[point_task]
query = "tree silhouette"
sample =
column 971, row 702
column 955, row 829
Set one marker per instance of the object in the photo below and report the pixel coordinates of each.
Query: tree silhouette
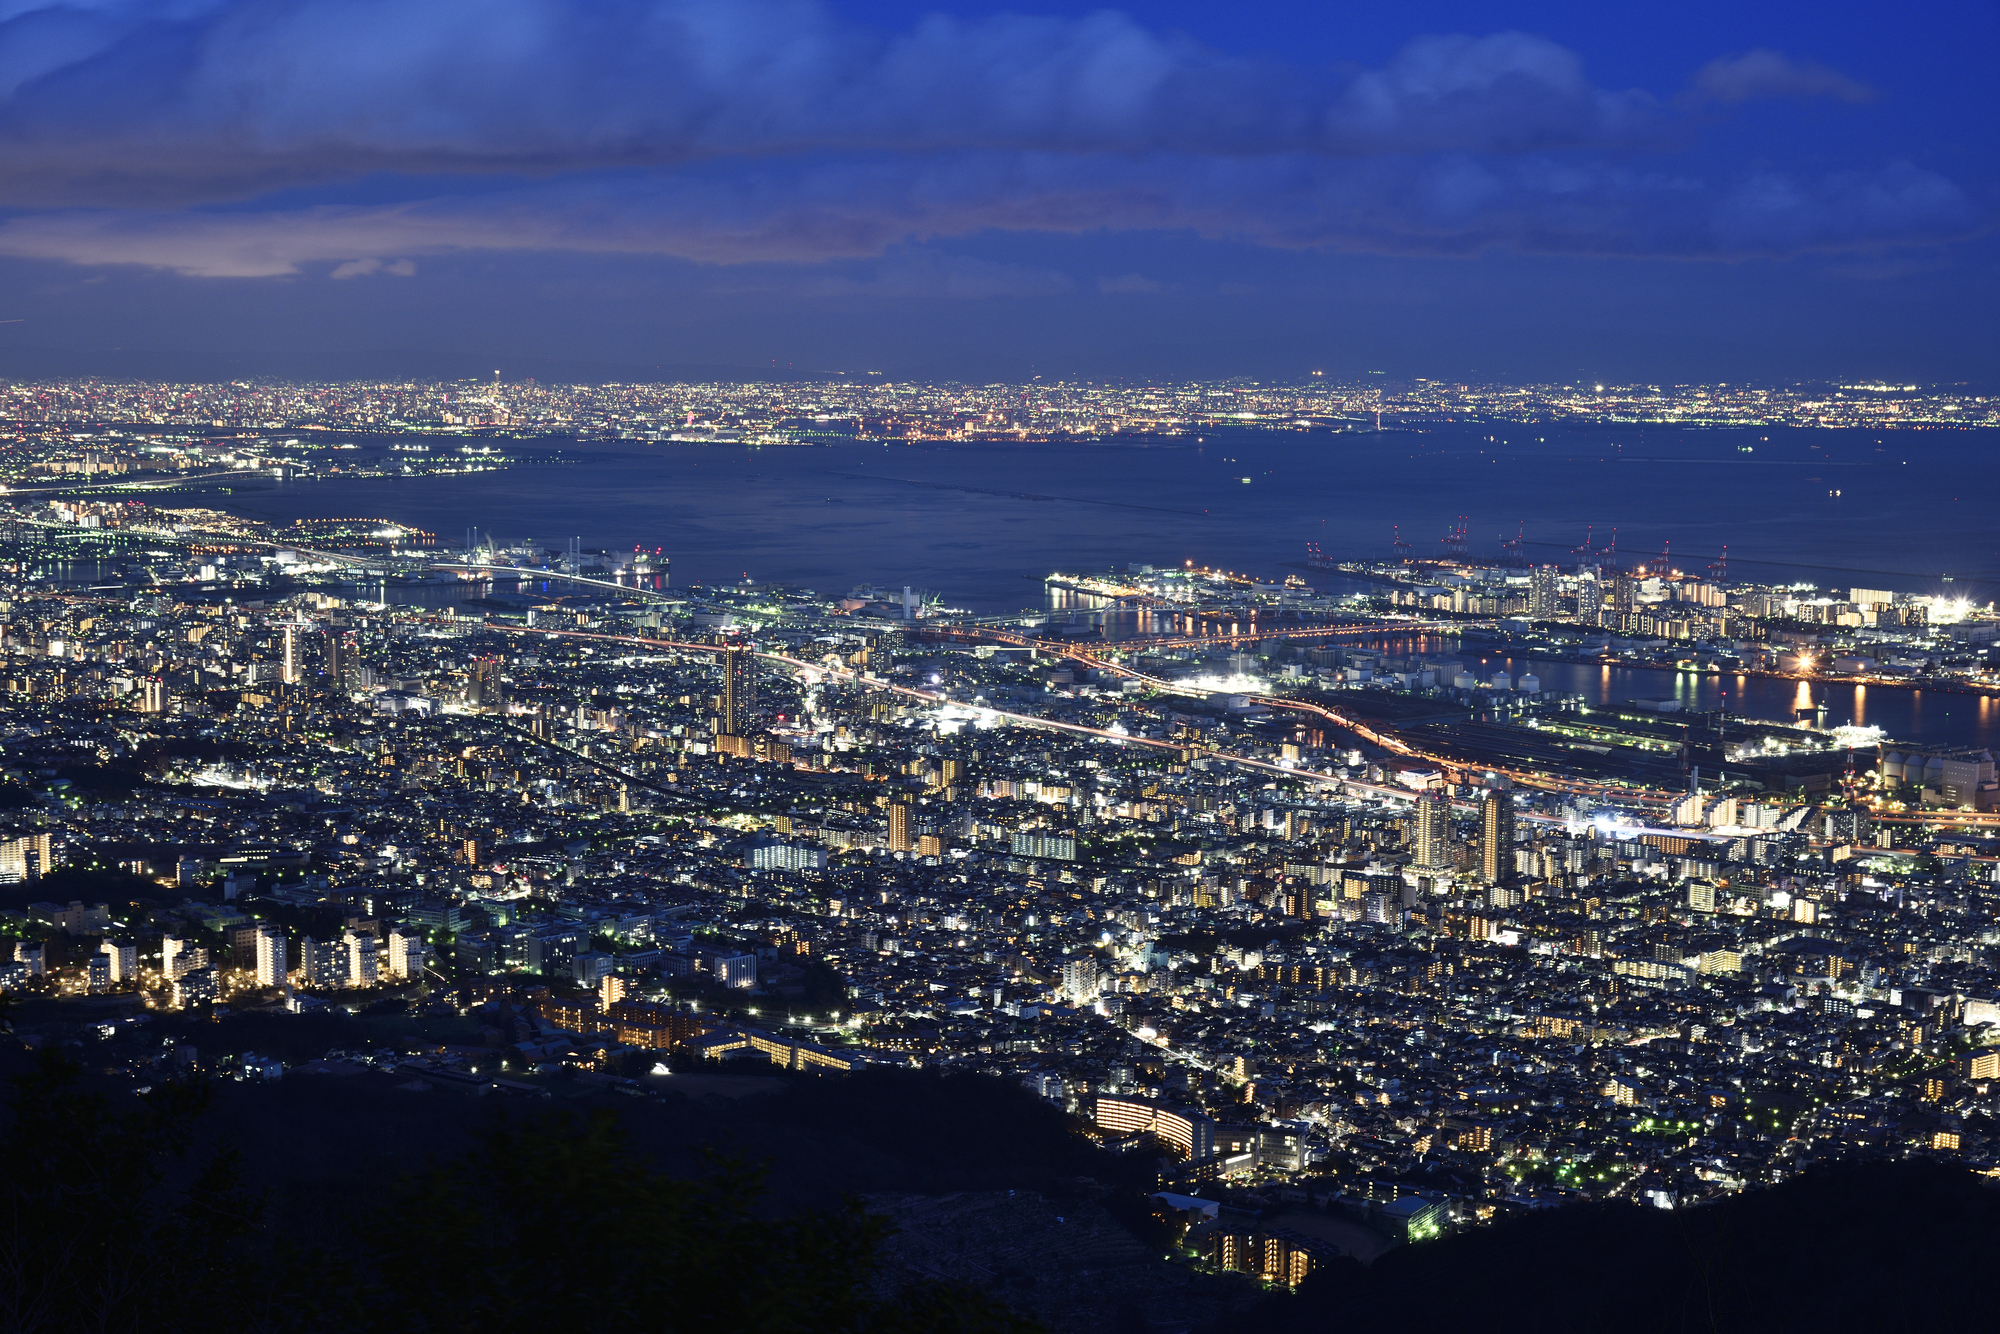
column 93, row 1235
column 555, row 1218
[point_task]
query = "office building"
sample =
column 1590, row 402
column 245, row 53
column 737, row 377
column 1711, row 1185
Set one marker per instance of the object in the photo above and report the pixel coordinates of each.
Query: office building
column 736, row 970
column 552, row 952
column 590, row 968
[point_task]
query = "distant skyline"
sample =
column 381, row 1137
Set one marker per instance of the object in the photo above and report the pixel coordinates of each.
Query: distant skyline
column 335, row 189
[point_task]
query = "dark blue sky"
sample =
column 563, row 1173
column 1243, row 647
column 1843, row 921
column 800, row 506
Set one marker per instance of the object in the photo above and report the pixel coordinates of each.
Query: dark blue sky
column 208, row 188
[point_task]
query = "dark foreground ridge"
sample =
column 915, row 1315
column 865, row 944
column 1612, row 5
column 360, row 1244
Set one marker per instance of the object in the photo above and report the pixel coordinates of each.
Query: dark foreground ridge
column 1886, row 1246
column 886, row 1201
column 325, row 1202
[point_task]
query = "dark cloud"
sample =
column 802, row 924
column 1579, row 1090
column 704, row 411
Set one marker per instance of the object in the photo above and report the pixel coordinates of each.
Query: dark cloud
column 128, row 100
column 792, row 212
column 179, row 134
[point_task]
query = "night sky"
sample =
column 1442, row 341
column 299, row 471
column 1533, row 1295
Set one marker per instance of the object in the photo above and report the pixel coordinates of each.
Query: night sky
column 333, row 188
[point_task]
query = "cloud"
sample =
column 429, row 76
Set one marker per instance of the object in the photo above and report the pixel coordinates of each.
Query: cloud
column 1764, row 73
column 819, row 211
column 210, row 137
column 205, row 100
column 1130, row 284
column 361, row 268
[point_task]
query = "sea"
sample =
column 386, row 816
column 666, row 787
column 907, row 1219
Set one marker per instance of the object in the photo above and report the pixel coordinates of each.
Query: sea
column 979, row 525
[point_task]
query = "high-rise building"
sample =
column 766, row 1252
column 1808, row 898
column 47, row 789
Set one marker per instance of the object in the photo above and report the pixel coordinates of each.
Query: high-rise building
column 362, row 955
column 1081, row 979
column 187, row 958
column 324, row 963
column 1543, row 593
column 271, row 966
column 124, row 959
column 406, row 954
column 24, row 858
column 899, row 827
column 1624, row 593
column 1433, row 842
column 194, row 987
column 483, row 687
column 333, row 660
column 154, row 697
column 739, row 689
column 1496, row 837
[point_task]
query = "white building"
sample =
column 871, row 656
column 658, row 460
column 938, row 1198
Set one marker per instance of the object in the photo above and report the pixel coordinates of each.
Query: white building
column 124, row 960
column 271, row 969
column 787, row 857
column 736, row 970
column 406, row 954
column 363, row 963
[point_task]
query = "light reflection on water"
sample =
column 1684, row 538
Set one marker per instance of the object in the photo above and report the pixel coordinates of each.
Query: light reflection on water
column 1917, row 717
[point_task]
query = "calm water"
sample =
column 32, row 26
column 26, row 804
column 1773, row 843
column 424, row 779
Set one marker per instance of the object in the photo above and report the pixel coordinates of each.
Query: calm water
column 980, row 525
column 1926, row 717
